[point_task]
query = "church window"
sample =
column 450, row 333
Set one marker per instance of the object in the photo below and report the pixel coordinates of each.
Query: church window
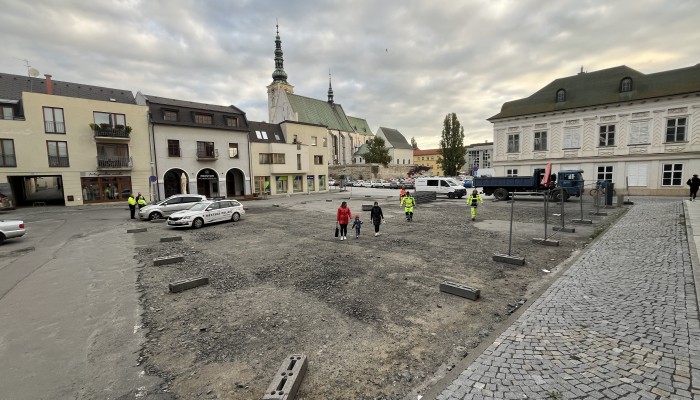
column 561, row 96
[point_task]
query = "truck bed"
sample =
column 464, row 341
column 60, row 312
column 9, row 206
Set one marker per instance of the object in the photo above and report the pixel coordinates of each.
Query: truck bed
column 506, row 182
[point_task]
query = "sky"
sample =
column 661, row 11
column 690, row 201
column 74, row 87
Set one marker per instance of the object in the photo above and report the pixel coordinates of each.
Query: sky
column 402, row 64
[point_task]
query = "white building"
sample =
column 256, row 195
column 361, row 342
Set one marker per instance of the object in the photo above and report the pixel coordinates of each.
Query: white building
column 400, row 150
column 641, row 131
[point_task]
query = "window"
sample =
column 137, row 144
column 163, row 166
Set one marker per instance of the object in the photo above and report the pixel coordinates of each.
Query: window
column 318, row 160
column 513, row 143
column 7, row 112
column 314, row 141
column 53, row 120
column 298, row 162
column 671, row 174
column 511, row 172
column 282, row 184
column 639, row 132
column 109, row 120
column 298, row 184
column 231, row 121
column 626, row 85
column 325, row 142
column 272, row 158
column 170, row 115
column 675, row 130
column 607, row 136
column 637, row 174
column 7, row 153
column 572, row 138
column 206, row 150
column 58, row 153
column 561, row 96
column 173, row 148
column 205, row 119
column 261, row 135
column 605, row 173
column 295, row 139
column 233, row 150
column 113, row 155
column 540, row 141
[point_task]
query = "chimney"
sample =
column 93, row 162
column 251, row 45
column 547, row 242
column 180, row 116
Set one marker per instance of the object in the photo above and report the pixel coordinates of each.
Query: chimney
column 49, row 84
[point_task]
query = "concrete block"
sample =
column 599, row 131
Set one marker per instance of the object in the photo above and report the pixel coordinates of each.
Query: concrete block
column 286, row 382
column 582, row 221
column 563, row 229
column 181, row 286
column 167, row 260
column 158, row 220
column 329, row 200
column 545, row 242
column 171, row 239
column 601, row 213
column 136, row 230
column 504, row 258
column 367, row 207
column 460, row 290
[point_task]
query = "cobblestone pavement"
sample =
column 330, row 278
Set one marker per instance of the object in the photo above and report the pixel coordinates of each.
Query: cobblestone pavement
column 622, row 322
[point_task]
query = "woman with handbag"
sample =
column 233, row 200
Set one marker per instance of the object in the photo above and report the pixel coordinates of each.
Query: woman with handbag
column 343, row 219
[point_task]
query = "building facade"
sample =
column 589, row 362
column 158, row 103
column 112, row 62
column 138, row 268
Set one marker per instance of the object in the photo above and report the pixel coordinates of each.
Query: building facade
column 479, row 155
column 288, row 158
column 71, row 144
column 640, row 131
column 429, row 158
column 198, row 148
column 400, row 150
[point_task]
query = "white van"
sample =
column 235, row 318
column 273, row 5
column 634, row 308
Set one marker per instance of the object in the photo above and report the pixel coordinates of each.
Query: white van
column 441, row 185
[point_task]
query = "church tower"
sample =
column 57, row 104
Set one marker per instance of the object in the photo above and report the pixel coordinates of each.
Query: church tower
column 277, row 103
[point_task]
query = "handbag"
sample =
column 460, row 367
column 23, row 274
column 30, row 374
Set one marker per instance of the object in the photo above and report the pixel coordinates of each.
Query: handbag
column 337, row 230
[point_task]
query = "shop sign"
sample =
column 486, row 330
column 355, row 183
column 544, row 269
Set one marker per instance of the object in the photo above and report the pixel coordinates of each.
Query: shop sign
column 95, row 174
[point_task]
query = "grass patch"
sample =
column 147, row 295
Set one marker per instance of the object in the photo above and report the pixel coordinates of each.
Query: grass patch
column 597, row 233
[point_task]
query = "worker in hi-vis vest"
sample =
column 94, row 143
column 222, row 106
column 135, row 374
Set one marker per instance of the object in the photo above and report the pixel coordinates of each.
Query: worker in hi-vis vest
column 473, row 201
column 132, row 205
column 408, row 203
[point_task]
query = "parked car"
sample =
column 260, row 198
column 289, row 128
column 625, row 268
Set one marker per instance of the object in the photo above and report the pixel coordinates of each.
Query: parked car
column 386, row 184
column 11, row 228
column 207, row 212
column 408, row 184
column 170, row 205
column 368, row 183
column 395, row 184
column 332, row 182
column 378, row 183
column 359, row 183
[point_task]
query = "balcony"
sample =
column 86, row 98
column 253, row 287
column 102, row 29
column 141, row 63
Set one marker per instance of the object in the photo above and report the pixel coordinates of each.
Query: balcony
column 105, row 131
column 113, row 163
column 208, row 155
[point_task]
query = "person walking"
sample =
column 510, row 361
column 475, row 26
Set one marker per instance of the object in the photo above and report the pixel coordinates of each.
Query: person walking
column 132, row 205
column 402, row 192
column 377, row 217
column 343, row 219
column 694, row 184
column 409, row 203
column 473, row 201
column 356, row 224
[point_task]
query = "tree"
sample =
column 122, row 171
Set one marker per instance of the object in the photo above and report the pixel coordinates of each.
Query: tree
column 414, row 144
column 452, row 145
column 377, row 153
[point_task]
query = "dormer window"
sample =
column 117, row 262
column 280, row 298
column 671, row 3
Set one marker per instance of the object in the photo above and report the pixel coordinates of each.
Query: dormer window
column 170, row 115
column 561, row 96
column 626, row 85
column 205, row 119
column 231, row 121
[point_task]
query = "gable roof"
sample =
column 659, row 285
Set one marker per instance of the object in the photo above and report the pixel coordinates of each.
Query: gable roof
column 12, row 86
column 427, row 152
column 360, row 126
column 188, row 109
column 362, row 150
column 603, row 87
column 395, row 138
column 320, row 112
column 273, row 132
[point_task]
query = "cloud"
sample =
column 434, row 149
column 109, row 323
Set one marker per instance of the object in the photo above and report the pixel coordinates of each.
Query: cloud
column 399, row 64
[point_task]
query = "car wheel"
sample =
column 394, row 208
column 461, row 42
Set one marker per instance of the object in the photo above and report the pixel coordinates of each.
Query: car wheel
column 500, row 194
column 235, row 217
column 450, row 195
column 154, row 215
column 2, row 238
column 198, row 223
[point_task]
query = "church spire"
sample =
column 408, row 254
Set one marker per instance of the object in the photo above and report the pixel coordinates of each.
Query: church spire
column 279, row 75
column 330, row 88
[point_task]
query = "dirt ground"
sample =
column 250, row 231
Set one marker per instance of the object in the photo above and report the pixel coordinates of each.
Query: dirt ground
column 366, row 312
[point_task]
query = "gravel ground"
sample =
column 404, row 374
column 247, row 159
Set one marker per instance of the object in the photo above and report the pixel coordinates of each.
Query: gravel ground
column 367, row 312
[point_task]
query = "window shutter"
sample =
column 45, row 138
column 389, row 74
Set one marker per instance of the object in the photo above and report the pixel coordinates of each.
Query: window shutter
column 637, row 174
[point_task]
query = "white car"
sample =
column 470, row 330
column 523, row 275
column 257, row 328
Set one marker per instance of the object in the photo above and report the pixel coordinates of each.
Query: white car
column 170, row 205
column 358, row 183
column 11, row 229
column 207, row 212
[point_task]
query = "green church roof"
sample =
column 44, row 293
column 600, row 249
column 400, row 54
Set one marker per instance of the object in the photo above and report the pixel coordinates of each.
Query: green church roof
column 603, row 87
column 360, row 126
column 320, row 112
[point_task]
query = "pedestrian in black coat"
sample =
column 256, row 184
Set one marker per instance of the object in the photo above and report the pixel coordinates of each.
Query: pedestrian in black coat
column 377, row 217
column 694, row 184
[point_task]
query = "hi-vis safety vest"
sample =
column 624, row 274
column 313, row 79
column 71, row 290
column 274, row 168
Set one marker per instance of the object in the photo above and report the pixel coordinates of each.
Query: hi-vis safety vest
column 408, row 202
column 474, row 200
column 131, row 200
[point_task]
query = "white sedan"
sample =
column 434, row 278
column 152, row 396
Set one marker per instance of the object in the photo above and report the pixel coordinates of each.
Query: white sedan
column 11, row 229
column 207, row 212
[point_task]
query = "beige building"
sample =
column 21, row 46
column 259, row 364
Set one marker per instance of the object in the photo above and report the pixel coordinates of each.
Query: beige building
column 429, row 158
column 640, row 131
column 288, row 158
column 71, row 144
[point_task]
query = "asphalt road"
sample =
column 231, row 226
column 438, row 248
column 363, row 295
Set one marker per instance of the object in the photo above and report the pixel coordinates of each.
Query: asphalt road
column 69, row 312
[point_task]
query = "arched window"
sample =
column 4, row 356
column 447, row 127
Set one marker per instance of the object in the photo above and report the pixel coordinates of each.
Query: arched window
column 626, row 85
column 561, row 96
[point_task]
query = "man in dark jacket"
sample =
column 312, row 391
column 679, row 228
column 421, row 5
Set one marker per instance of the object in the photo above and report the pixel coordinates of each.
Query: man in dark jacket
column 377, row 217
column 694, row 184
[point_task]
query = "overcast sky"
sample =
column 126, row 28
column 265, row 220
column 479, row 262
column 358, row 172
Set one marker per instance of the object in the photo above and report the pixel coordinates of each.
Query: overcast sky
column 401, row 64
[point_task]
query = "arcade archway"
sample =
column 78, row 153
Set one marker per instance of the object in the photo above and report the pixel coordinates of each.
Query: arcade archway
column 235, row 183
column 175, row 181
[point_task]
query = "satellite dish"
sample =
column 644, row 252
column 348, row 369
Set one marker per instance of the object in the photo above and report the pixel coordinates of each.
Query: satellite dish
column 33, row 72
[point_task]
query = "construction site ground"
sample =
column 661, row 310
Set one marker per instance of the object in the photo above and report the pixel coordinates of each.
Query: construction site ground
column 367, row 312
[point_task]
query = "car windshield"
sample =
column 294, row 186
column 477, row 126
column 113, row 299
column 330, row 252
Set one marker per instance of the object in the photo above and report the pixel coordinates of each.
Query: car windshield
column 452, row 182
column 199, row 207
